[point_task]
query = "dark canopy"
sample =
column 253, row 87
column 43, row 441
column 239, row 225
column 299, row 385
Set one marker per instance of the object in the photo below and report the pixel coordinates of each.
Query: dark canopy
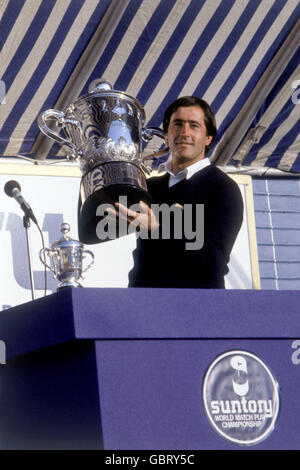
column 242, row 56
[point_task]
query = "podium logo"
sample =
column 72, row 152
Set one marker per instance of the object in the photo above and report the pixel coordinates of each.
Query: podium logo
column 241, row 397
column 238, row 363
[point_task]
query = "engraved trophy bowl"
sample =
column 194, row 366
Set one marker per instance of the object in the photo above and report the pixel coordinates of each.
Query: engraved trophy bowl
column 104, row 130
column 67, row 257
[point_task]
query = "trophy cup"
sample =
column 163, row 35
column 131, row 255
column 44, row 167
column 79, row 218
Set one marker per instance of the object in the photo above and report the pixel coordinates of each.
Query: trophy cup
column 67, row 257
column 104, row 130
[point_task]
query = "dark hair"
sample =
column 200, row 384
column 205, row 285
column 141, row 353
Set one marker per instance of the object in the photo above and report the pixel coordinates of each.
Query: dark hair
column 185, row 101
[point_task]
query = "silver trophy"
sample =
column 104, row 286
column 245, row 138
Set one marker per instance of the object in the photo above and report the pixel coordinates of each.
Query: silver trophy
column 104, row 130
column 67, row 258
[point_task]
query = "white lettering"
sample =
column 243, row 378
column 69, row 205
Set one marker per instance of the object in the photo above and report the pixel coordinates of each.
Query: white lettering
column 171, row 459
column 198, row 234
column 241, row 424
column 110, row 223
column 165, row 210
column 116, row 460
column 122, row 221
column 215, row 409
column 295, row 356
column 252, row 406
column 268, row 408
column 2, row 352
column 106, row 227
column 243, row 405
column 236, row 406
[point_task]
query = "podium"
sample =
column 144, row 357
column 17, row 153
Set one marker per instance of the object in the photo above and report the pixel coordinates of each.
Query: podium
column 124, row 368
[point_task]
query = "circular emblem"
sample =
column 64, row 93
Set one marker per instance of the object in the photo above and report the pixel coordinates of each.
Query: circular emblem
column 241, row 397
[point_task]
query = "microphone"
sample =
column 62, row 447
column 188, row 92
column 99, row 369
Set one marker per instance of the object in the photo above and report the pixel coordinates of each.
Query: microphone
column 13, row 189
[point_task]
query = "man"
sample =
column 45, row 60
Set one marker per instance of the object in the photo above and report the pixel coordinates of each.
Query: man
column 190, row 180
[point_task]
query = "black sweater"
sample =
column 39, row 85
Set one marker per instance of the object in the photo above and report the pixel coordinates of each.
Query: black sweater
column 168, row 262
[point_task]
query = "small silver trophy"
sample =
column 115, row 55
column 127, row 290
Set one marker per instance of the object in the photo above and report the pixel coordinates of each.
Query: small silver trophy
column 67, row 257
column 104, row 130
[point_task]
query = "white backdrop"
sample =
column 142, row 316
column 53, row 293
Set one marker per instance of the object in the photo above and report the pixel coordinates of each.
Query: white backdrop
column 54, row 200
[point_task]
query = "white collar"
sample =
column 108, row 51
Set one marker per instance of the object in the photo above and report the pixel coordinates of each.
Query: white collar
column 186, row 173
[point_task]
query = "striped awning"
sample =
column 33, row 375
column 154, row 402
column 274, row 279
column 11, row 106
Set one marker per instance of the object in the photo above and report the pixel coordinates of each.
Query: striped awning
column 242, row 56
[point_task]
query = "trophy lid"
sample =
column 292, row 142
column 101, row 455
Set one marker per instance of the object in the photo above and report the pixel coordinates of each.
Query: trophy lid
column 102, row 88
column 66, row 240
column 100, row 84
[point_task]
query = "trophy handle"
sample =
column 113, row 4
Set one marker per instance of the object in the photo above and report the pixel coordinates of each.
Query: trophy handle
column 47, row 251
column 88, row 252
column 60, row 118
column 147, row 134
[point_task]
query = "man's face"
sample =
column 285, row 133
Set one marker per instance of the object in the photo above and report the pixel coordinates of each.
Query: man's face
column 187, row 136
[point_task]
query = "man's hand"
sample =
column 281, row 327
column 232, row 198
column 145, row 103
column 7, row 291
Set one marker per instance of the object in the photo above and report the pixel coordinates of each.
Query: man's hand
column 143, row 218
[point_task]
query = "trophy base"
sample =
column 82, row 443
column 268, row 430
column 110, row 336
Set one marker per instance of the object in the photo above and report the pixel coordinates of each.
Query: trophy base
column 67, row 284
column 111, row 182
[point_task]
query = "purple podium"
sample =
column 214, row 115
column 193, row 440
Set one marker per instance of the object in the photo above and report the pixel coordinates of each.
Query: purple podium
column 125, row 368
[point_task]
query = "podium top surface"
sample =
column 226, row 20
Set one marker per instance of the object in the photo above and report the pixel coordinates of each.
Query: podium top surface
column 146, row 313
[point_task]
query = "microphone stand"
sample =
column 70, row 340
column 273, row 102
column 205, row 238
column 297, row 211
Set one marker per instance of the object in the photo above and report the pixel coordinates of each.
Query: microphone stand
column 26, row 224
